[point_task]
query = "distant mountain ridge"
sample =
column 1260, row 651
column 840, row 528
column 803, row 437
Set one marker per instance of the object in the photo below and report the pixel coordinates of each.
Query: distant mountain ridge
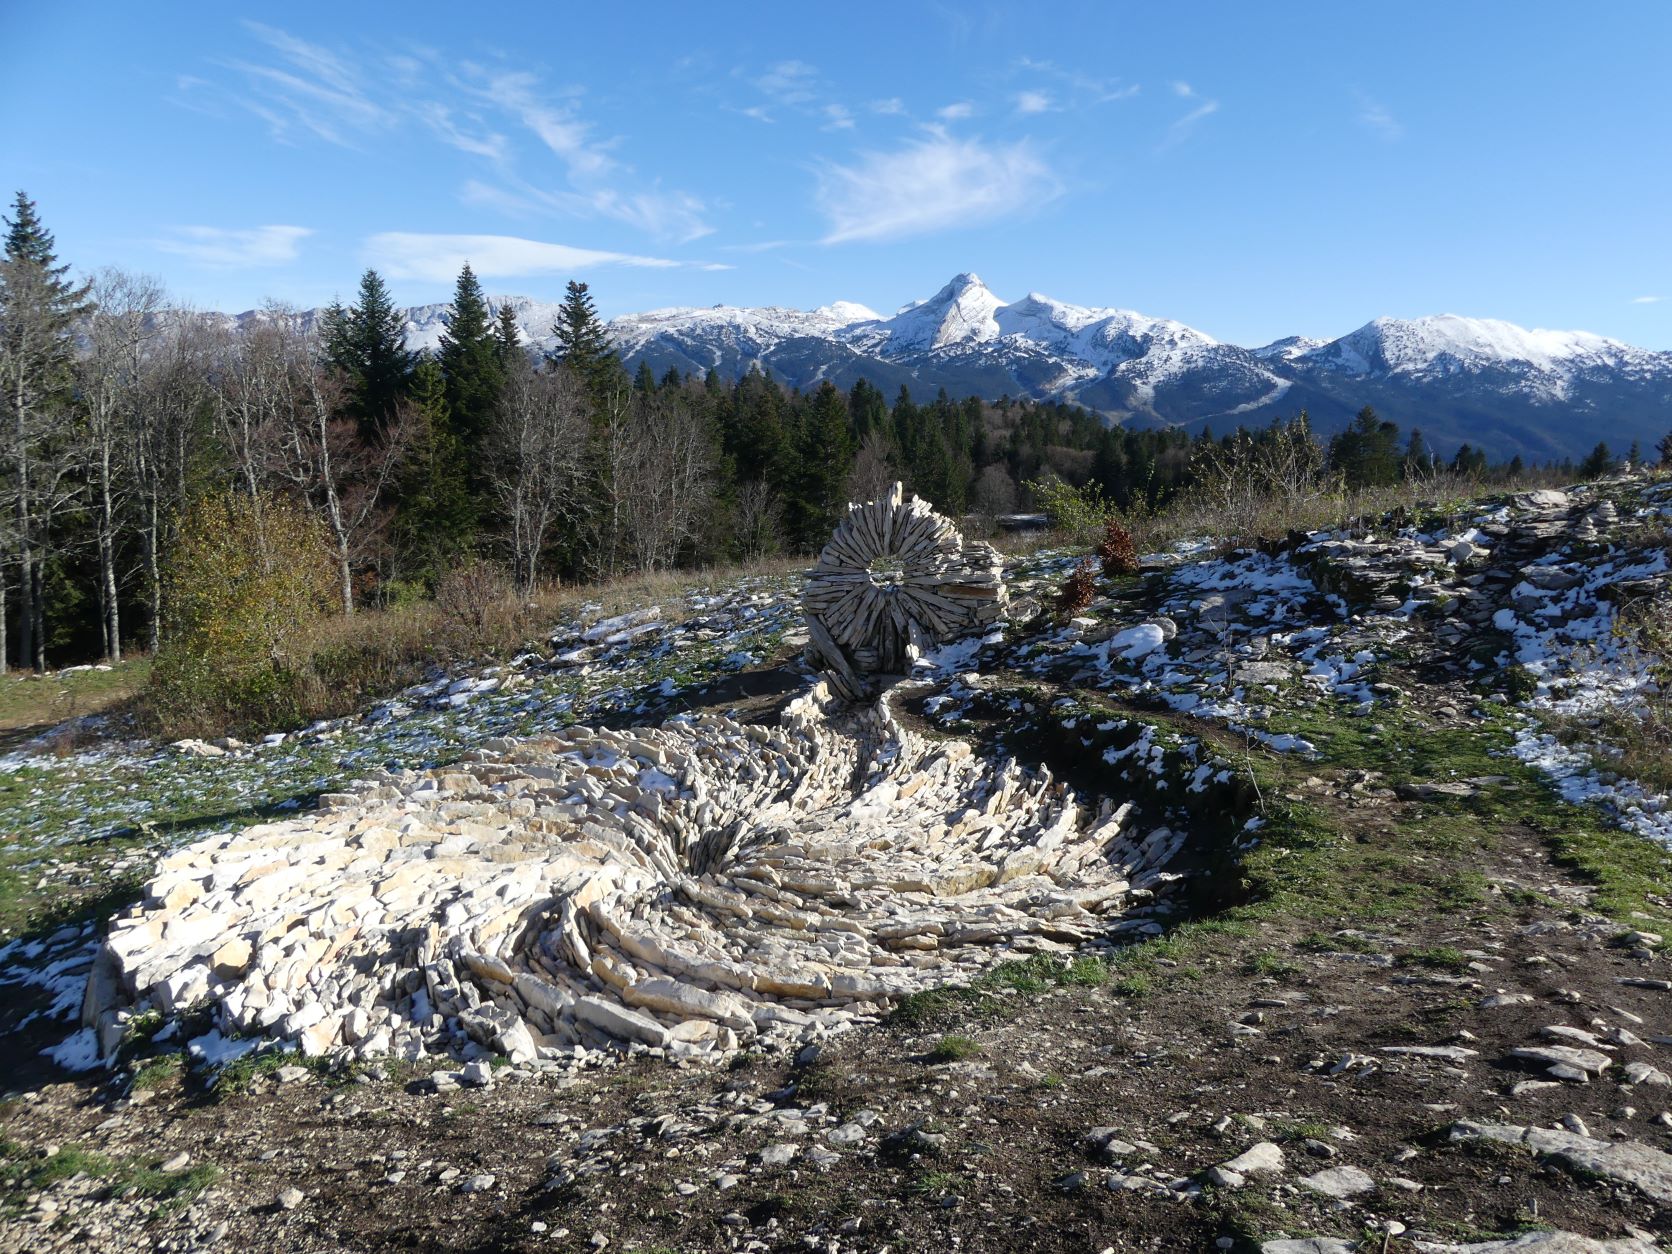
column 1542, row 394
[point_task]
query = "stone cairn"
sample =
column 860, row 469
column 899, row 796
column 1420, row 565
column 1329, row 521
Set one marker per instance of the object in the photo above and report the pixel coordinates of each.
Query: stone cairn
column 895, row 580
column 691, row 888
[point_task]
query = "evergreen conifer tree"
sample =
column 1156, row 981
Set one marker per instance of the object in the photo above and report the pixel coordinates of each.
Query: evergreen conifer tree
column 39, row 308
column 436, row 519
column 470, row 364
column 817, row 478
column 1599, row 463
column 367, row 341
column 582, row 342
column 507, row 336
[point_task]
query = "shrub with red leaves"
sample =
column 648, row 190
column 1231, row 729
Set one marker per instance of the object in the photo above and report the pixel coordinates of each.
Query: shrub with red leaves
column 1118, row 553
column 1077, row 590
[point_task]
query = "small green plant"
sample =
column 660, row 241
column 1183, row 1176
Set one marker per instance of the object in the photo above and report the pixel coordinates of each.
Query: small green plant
column 953, row 1049
column 1270, row 964
column 157, row 1071
column 1520, row 684
column 931, row 1182
column 1077, row 512
column 1439, row 957
column 1132, row 984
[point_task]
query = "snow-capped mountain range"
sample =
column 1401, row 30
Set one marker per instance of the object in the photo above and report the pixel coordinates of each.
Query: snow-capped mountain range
column 1492, row 384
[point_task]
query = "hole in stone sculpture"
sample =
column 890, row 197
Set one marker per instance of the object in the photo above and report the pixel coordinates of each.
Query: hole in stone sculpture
column 888, row 570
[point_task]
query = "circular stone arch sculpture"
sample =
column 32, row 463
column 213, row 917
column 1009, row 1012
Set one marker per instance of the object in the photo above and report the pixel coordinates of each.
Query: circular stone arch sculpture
column 895, row 579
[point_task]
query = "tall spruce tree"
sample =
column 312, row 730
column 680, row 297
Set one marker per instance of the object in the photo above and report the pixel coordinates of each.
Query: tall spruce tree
column 39, row 308
column 582, row 343
column 507, row 336
column 470, row 364
column 1599, row 463
column 367, row 342
column 816, row 479
column 435, row 522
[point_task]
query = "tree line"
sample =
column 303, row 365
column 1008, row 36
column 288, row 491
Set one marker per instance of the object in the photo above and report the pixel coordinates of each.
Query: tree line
column 121, row 410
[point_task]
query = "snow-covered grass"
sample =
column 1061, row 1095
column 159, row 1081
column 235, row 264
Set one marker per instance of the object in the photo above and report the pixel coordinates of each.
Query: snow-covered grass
column 78, row 822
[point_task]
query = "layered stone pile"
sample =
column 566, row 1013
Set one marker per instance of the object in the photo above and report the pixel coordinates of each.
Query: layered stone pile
column 895, row 580
column 691, row 887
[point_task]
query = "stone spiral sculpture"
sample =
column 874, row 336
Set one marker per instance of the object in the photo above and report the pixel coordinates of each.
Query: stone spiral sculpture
column 690, row 888
column 895, row 579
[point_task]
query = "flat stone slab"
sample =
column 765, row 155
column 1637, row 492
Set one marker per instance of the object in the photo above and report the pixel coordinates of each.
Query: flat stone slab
column 1644, row 1168
column 1341, row 1183
column 1543, row 1243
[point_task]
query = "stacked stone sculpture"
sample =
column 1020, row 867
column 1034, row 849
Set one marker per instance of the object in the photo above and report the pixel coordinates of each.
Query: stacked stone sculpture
column 895, row 579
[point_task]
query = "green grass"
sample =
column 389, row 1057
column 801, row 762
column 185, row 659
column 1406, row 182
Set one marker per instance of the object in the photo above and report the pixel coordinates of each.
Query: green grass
column 954, row 1049
column 1318, row 871
column 982, row 996
column 31, row 702
column 241, row 1074
column 1338, row 943
column 1132, row 985
column 932, row 1182
column 1439, row 957
column 1269, row 964
column 22, row 1173
column 157, row 1071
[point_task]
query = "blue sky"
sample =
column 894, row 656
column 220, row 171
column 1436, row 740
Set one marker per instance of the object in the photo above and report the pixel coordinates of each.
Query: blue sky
column 1252, row 170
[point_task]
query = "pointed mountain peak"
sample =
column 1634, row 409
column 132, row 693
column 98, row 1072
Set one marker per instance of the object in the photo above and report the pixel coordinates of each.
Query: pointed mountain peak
column 961, row 312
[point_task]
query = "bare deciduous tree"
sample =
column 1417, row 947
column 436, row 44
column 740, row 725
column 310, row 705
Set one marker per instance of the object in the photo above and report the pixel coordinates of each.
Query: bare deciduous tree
column 667, row 473
column 160, row 442
column 539, row 471
column 758, row 520
column 874, row 471
column 339, row 470
column 113, row 392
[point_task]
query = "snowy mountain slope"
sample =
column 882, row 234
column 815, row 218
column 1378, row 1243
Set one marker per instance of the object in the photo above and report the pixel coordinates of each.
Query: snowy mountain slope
column 1493, row 384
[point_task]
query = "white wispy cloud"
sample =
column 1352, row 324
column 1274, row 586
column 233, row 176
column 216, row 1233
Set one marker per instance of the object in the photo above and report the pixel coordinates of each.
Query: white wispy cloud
column 955, row 112
column 1181, row 128
column 1033, row 102
column 507, row 119
column 790, row 82
column 837, row 118
column 232, row 248
column 438, row 258
column 1076, row 88
column 1646, row 300
column 930, row 185
column 567, row 136
column 891, row 107
column 1375, row 117
column 309, row 89
column 467, row 135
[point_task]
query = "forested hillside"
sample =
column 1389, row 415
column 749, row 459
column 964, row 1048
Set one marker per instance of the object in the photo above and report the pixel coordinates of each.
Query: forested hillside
column 124, row 414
